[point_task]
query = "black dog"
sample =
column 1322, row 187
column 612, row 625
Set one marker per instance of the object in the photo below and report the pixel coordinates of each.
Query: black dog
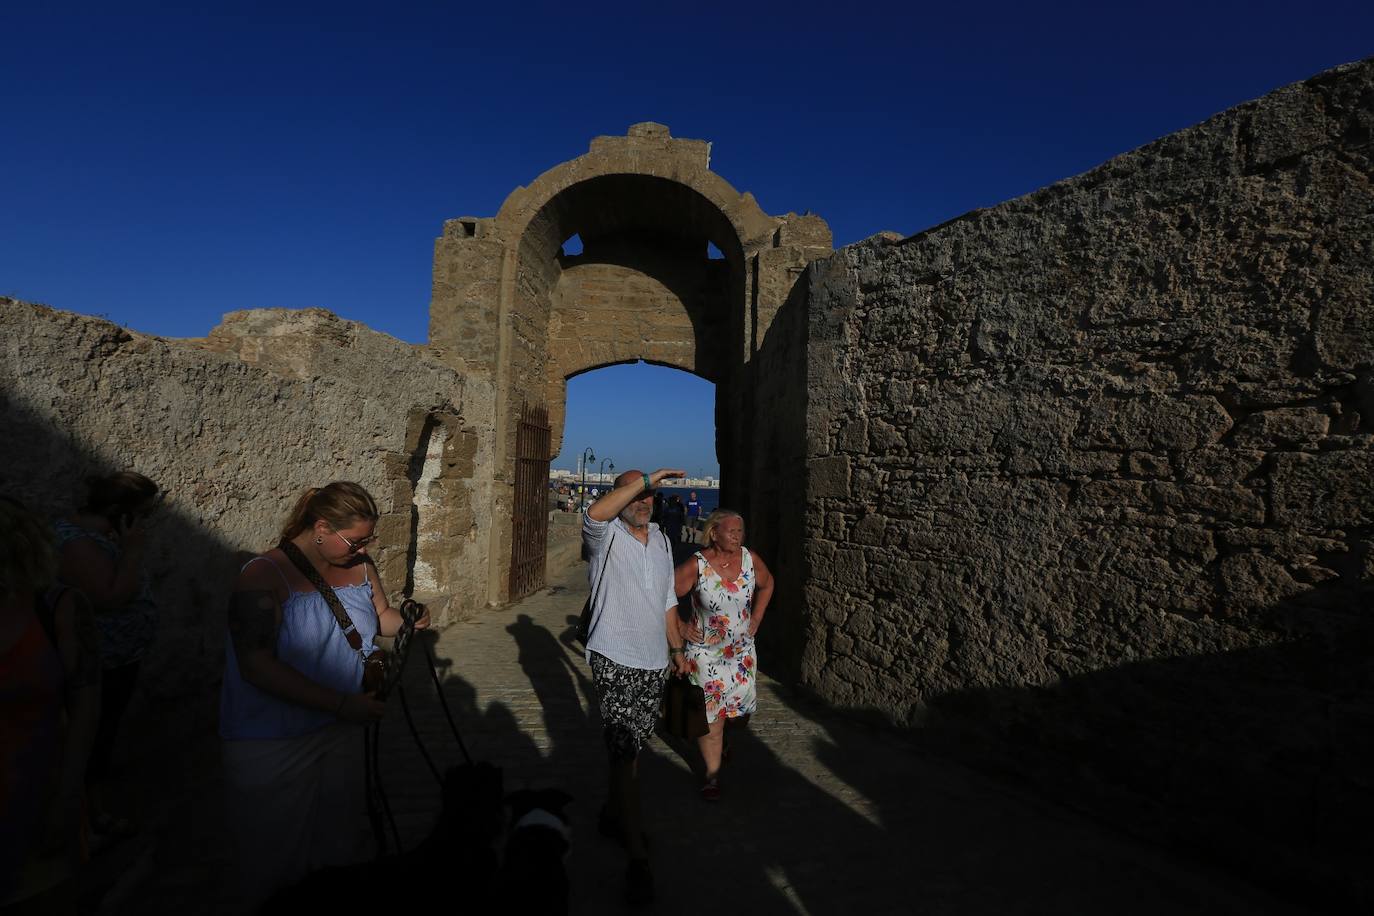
column 532, row 877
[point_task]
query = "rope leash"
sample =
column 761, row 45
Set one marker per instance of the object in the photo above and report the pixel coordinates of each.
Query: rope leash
column 378, row 805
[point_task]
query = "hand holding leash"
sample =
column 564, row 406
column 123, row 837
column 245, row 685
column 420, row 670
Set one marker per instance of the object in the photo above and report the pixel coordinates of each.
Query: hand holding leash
column 362, row 708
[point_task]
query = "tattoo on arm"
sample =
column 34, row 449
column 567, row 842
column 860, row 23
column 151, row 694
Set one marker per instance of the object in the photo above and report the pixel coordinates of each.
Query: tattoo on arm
column 253, row 621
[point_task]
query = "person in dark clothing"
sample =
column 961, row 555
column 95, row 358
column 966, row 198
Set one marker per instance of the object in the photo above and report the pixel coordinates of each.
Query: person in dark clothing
column 674, row 513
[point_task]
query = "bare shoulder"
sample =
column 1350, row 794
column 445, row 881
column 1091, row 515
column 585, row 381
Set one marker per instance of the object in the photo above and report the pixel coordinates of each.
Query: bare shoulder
column 262, row 574
column 761, row 570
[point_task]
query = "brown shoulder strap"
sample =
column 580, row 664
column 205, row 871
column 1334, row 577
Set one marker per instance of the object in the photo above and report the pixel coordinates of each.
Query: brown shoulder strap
column 298, row 560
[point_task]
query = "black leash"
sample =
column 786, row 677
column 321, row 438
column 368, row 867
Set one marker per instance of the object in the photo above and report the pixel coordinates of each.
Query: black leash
column 377, row 803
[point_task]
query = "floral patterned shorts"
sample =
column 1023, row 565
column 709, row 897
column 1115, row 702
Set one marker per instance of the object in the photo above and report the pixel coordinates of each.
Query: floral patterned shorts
column 629, row 699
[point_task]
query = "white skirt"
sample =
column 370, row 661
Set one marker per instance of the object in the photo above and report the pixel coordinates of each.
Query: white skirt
column 293, row 805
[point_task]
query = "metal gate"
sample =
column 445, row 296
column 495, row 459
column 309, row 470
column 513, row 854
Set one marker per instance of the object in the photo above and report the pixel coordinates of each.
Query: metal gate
column 530, row 513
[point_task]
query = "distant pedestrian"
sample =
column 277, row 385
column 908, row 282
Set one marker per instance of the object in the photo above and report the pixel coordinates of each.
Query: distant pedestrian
column 693, row 510
column 628, row 648
column 674, row 513
column 730, row 588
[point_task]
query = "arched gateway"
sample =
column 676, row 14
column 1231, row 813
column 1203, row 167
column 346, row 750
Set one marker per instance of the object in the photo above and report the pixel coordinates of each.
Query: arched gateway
column 519, row 315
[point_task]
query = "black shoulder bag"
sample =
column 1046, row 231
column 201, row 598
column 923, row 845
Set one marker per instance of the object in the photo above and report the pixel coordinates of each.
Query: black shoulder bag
column 375, row 665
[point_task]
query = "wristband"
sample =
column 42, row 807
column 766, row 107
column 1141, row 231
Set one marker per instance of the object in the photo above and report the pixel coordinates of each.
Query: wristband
column 647, row 485
column 672, row 651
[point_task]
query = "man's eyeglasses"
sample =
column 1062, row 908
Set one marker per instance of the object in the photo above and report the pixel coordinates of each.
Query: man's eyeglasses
column 355, row 546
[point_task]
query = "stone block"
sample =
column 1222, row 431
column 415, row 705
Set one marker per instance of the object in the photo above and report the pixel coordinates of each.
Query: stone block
column 1153, row 423
column 869, row 530
column 1233, row 503
column 1254, row 581
column 1283, row 427
column 828, row 477
column 1323, row 491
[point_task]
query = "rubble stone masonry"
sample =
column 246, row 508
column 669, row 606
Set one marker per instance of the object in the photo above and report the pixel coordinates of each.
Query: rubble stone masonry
column 1091, row 484
column 234, row 427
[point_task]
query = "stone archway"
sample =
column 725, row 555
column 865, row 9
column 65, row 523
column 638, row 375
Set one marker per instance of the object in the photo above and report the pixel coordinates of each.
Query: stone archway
column 519, row 315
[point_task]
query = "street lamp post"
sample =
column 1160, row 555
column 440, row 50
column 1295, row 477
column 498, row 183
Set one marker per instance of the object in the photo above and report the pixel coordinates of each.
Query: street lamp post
column 587, row 456
column 601, row 475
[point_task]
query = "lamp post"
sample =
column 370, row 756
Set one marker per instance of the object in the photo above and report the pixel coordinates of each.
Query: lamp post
column 601, row 475
column 587, row 456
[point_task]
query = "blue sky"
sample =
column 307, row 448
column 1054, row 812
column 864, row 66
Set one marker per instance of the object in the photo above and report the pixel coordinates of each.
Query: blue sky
column 161, row 165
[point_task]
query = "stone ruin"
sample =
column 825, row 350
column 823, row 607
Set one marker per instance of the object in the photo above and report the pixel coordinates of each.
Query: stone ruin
column 1077, row 487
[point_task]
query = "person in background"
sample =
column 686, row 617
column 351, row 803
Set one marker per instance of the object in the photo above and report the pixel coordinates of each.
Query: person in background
column 631, row 571
column 693, row 511
column 50, row 697
column 292, row 702
column 730, row 588
column 673, row 516
column 101, row 550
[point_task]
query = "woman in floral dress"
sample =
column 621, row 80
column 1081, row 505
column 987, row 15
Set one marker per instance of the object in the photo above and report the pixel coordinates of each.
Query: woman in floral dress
column 730, row 588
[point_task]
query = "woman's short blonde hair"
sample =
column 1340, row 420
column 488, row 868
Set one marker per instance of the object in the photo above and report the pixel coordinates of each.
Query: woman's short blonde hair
column 28, row 551
column 714, row 519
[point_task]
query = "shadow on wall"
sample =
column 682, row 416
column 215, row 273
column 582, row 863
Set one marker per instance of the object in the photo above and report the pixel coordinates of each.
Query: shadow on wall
column 773, row 500
column 184, row 560
column 1261, row 760
column 167, row 754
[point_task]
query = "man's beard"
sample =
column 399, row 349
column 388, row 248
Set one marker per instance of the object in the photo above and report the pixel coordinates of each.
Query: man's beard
column 635, row 516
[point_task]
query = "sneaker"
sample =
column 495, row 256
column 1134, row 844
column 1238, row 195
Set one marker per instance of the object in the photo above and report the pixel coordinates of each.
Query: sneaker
column 711, row 789
column 639, row 883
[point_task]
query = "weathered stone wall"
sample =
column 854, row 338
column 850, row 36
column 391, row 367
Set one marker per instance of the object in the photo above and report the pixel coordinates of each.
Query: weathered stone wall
column 625, row 306
column 234, row 427
column 1091, row 482
column 511, row 307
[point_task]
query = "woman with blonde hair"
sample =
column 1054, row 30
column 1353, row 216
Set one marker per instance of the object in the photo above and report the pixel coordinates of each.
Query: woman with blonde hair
column 730, row 588
column 50, row 694
column 292, row 702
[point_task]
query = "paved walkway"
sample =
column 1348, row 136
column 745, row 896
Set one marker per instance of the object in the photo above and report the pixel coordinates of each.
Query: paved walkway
column 818, row 816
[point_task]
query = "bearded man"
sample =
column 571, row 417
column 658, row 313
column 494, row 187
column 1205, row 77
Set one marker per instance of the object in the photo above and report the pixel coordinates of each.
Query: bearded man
column 631, row 579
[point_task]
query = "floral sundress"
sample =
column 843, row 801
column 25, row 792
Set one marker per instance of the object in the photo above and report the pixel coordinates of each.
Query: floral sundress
column 724, row 665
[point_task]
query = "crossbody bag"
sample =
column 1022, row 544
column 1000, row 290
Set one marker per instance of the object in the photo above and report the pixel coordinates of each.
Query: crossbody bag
column 374, row 665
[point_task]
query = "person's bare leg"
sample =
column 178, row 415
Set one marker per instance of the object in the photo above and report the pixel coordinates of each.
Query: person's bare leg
column 710, row 745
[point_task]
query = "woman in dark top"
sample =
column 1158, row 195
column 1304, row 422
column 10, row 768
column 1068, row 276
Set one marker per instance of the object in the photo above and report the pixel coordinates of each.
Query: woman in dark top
column 101, row 549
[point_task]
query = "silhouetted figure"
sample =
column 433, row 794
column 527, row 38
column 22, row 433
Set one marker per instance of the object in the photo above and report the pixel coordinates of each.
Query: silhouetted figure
column 50, row 698
column 101, row 551
column 730, row 588
column 674, row 513
column 292, row 702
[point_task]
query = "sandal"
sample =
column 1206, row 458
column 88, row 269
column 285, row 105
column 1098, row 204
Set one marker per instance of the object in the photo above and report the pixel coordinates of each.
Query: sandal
column 711, row 789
